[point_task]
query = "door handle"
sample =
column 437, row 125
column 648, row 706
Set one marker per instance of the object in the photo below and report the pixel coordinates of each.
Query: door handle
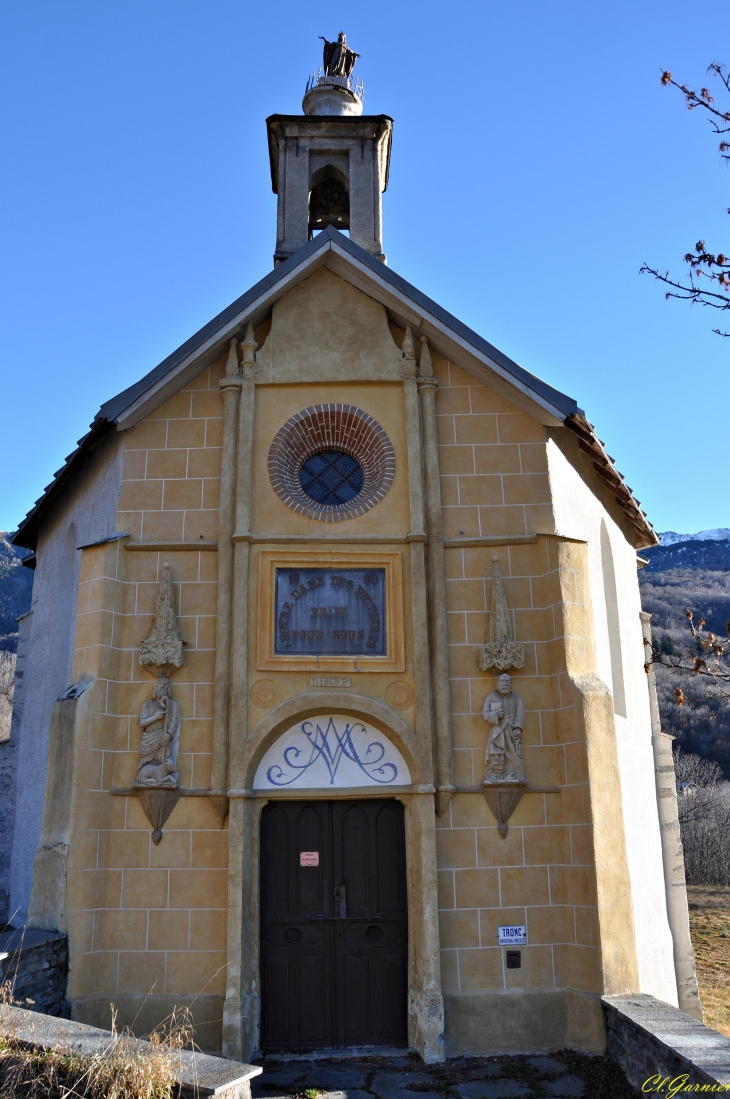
column 341, row 900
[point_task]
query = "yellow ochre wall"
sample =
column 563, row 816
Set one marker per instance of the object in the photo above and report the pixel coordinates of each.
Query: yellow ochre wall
column 495, row 482
column 152, row 920
column 144, row 919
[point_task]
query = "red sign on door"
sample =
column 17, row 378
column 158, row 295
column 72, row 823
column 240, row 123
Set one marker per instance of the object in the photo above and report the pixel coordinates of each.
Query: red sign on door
column 309, row 858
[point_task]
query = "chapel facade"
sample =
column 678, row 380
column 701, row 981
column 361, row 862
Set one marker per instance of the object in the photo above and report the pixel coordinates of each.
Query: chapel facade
column 333, row 722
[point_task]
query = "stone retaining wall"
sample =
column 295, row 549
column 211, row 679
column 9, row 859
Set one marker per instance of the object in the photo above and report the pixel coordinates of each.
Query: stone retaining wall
column 196, row 1074
column 36, row 964
column 649, row 1038
column 8, row 768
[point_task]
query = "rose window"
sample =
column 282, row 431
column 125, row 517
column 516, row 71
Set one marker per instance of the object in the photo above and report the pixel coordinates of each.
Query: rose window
column 331, row 462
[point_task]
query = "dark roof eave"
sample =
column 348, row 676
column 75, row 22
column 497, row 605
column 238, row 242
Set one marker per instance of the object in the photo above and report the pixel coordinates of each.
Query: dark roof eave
column 605, row 468
column 115, row 406
column 27, row 533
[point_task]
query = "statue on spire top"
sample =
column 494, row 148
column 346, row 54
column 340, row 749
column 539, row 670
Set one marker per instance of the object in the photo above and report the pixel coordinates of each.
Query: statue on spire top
column 338, row 59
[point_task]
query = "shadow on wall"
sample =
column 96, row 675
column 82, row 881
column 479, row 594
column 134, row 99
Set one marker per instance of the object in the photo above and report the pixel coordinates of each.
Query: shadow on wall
column 64, row 620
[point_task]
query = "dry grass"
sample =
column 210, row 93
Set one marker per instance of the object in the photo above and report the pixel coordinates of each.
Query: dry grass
column 709, row 920
column 121, row 1070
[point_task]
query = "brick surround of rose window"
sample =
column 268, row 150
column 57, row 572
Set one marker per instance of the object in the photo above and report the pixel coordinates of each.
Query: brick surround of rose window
column 331, row 427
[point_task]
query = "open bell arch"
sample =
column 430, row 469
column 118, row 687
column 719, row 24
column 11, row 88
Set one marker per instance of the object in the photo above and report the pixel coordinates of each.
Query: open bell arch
column 329, row 198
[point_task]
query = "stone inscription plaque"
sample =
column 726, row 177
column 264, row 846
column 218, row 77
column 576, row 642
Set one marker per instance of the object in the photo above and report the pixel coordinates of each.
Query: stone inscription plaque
column 330, row 612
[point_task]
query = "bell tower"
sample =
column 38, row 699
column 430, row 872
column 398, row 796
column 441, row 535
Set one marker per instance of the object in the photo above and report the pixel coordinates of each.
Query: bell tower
column 330, row 165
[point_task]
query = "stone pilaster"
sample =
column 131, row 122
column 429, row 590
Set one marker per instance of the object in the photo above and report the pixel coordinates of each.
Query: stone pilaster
column 417, row 539
column 242, row 551
column 425, row 999
column 435, row 576
column 238, row 1033
column 68, row 734
column 230, row 385
column 242, row 1008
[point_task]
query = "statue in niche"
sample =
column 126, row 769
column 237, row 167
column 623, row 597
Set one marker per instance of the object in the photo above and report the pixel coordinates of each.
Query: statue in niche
column 160, row 724
column 505, row 712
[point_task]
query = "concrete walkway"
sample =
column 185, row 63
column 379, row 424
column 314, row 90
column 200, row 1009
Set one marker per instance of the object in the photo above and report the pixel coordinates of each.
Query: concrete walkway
column 565, row 1075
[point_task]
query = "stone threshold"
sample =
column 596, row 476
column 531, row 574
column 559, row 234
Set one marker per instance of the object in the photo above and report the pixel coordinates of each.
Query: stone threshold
column 341, row 1053
column 196, row 1074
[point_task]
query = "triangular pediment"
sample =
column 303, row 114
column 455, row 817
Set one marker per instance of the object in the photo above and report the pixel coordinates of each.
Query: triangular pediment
column 404, row 304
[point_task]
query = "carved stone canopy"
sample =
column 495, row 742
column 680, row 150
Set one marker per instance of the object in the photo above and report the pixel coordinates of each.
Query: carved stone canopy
column 500, row 650
column 162, row 652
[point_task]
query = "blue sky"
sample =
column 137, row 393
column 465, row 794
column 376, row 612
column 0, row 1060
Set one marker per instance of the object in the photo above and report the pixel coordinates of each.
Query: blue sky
column 537, row 162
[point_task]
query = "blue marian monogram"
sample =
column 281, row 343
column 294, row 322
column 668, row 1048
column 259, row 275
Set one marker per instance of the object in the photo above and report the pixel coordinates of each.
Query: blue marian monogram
column 332, row 746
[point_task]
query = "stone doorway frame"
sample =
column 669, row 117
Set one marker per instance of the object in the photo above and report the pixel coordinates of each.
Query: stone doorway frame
column 242, row 1010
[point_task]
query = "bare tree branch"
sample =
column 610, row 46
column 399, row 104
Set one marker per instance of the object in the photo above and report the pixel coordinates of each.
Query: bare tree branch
column 703, row 264
column 712, row 662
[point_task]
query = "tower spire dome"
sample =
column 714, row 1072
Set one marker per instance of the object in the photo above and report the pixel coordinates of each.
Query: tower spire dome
column 330, row 166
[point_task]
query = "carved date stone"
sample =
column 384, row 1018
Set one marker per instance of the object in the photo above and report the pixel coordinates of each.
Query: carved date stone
column 500, row 650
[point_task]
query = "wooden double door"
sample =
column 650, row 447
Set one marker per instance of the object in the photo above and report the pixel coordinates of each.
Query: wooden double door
column 333, row 924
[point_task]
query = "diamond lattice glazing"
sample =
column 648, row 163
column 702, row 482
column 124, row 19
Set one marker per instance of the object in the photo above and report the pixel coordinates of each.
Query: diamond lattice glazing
column 354, row 465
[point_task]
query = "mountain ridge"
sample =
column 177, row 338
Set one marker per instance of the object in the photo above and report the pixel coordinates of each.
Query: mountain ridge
column 669, row 537
column 712, row 554
column 694, row 575
column 16, row 589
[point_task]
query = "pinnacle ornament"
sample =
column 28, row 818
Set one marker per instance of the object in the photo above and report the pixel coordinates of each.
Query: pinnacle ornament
column 162, row 651
column 500, row 650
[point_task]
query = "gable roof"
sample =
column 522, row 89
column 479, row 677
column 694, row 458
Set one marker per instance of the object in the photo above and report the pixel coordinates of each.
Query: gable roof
column 405, row 304
column 332, row 249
